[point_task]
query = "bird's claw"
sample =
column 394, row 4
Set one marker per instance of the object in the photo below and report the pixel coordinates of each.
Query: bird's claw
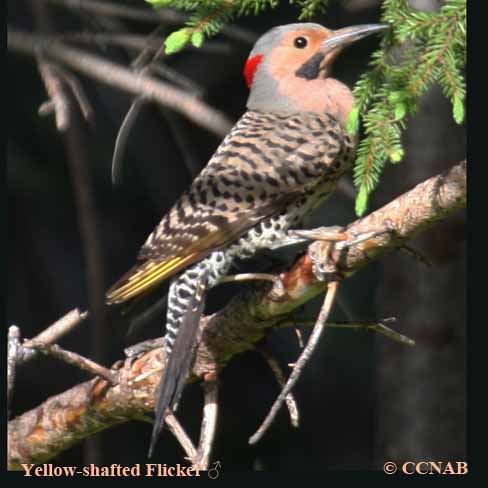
column 334, row 233
column 324, row 265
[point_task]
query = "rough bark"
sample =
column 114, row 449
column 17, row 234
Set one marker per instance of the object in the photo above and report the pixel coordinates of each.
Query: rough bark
column 63, row 420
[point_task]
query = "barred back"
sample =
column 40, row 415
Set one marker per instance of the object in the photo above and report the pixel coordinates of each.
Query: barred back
column 265, row 163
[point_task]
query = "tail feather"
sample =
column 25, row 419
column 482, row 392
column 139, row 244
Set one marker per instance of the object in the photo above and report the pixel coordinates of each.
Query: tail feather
column 179, row 362
column 144, row 277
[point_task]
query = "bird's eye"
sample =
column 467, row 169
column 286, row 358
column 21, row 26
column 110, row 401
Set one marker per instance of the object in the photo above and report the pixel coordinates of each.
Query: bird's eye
column 300, row 42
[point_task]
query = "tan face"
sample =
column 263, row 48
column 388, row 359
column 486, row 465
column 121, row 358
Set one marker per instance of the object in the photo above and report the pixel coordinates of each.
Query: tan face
column 321, row 94
column 296, row 48
column 288, row 71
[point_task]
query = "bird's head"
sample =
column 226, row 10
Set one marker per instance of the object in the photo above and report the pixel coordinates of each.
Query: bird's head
column 289, row 66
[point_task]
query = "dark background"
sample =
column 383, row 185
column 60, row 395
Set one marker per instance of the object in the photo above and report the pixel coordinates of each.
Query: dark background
column 363, row 399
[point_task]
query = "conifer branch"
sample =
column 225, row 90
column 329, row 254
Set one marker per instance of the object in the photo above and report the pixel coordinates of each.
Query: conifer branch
column 421, row 49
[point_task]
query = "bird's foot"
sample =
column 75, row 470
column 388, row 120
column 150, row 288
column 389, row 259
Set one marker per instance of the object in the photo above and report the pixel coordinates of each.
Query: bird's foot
column 334, row 233
column 275, row 279
column 325, row 264
column 292, row 237
column 287, row 240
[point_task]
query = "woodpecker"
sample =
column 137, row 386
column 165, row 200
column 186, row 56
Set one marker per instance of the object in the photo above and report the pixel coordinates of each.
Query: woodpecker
column 282, row 158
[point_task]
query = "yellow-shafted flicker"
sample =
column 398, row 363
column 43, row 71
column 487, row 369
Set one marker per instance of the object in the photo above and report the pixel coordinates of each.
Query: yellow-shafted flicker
column 281, row 159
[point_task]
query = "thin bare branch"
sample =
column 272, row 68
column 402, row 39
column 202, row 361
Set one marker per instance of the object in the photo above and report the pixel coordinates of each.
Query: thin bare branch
column 179, row 79
column 63, row 420
column 181, row 436
column 123, row 136
column 13, row 345
column 209, row 424
column 379, row 327
column 302, row 361
column 134, row 42
column 148, row 15
column 145, row 51
column 74, row 359
column 120, row 77
column 59, row 100
column 77, row 91
column 112, row 9
column 280, row 378
column 178, row 431
column 54, row 332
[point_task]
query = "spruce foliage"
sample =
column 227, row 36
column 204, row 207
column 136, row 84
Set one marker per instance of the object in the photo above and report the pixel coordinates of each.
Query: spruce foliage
column 420, row 49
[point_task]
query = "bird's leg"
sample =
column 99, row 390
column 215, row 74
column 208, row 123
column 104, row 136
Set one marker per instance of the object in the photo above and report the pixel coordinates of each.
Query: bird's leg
column 324, row 266
column 324, row 269
column 186, row 302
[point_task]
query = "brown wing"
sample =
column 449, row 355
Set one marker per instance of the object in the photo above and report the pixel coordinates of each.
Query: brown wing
column 158, row 268
column 265, row 163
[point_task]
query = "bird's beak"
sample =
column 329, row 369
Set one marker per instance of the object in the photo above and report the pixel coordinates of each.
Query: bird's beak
column 343, row 37
column 320, row 62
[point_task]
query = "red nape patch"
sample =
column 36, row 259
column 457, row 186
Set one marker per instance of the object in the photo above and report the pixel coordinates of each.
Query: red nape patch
column 250, row 68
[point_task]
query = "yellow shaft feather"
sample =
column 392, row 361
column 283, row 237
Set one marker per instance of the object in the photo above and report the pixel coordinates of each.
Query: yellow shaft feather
column 146, row 277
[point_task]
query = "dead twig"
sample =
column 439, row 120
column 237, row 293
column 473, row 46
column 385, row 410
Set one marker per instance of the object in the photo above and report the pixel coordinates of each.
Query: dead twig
column 76, row 90
column 59, row 102
column 379, row 327
column 209, row 422
column 148, row 14
column 13, row 346
column 74, row 359
column 280, row 378
column 53, row 333
column 134, row 42
column 178, row 79
column 174, row 426
column 181, row 436
column 120, row 77
column 63, row 420
column 123, row 136
column 302, row 361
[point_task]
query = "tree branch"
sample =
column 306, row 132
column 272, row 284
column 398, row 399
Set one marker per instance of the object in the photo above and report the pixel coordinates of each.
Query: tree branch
column 148, row 14
column 133, row 41
column 74, row 359
column 118, row 76
column 64, row 420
